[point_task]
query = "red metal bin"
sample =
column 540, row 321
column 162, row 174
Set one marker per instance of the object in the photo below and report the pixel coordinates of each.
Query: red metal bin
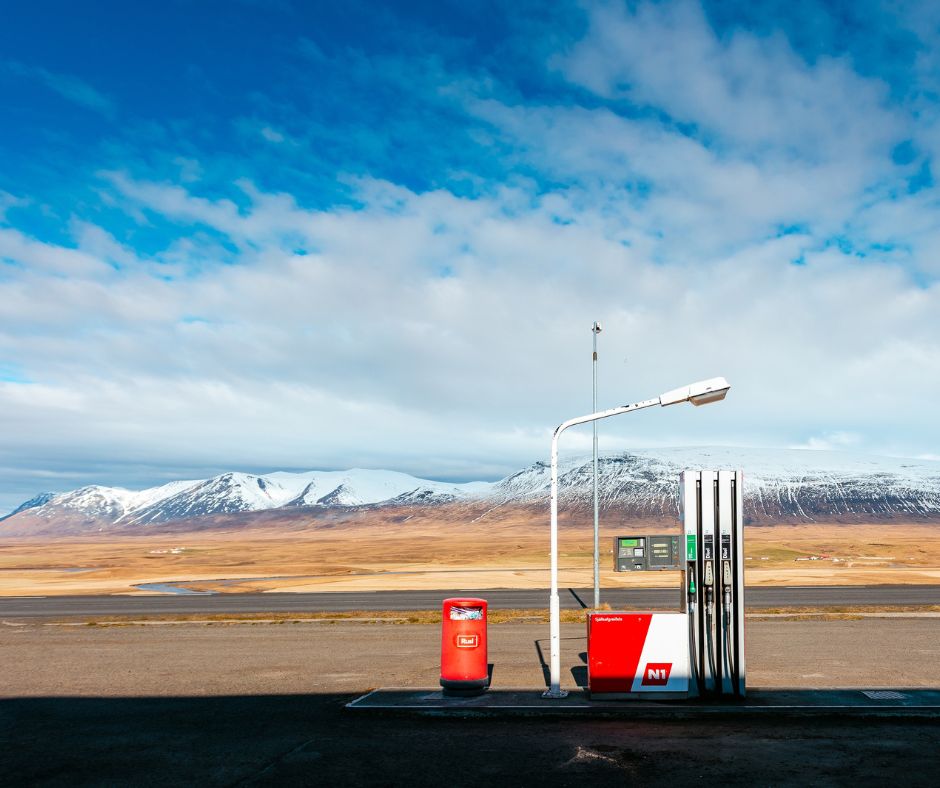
column 463, row 645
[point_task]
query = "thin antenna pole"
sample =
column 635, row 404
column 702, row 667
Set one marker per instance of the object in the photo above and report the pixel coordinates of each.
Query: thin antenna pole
column 595, row 330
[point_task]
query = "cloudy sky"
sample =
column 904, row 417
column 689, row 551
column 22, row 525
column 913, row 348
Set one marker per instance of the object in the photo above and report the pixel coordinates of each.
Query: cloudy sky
column 264, row 235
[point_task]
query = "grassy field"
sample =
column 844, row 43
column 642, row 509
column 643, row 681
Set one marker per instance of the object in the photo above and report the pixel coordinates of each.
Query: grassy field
column 432, row 555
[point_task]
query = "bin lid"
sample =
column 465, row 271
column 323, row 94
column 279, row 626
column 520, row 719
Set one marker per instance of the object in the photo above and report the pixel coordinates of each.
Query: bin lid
column 464, row 601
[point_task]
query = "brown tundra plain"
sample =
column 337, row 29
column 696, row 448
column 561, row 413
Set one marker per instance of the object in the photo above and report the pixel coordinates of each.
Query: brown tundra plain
column 381, row 550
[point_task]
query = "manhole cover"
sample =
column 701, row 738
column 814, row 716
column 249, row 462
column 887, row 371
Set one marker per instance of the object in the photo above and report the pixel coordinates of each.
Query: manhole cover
column 884, row 694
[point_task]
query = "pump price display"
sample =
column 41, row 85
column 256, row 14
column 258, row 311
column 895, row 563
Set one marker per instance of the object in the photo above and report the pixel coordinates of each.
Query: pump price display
column 661, row 550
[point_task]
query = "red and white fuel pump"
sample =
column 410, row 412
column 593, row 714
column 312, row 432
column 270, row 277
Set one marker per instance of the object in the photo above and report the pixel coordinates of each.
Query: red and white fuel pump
column 700, row 649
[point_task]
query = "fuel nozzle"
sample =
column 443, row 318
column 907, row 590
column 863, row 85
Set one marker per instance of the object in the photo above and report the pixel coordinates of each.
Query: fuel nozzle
column 709, row 581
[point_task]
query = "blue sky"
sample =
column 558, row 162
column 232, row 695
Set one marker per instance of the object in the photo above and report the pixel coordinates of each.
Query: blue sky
column 264, row 235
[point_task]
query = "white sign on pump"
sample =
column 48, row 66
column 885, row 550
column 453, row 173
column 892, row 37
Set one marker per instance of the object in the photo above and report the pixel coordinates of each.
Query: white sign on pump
column 664, row 661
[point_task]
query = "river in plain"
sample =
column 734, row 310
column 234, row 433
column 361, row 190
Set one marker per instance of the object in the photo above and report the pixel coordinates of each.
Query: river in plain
column 170, row 588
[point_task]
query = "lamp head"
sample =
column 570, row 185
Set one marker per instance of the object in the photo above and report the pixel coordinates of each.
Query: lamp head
column 701, row 393
column 596, row 328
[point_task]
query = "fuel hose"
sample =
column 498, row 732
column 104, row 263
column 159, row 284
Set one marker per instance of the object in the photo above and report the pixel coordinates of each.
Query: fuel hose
column 709, row 616
column 693, row 656
column 726, row 626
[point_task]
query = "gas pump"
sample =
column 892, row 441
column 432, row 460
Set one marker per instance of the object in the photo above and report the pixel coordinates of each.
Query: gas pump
column 689, row 484
column 699, row 650
column 730, row 622
column 710, row 506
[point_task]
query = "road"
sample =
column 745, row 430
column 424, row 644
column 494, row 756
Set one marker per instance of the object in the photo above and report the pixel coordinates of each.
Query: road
column 757, row 598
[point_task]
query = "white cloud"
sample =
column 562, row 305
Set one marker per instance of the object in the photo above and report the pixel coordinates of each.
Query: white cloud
column 68, row 86
column 8, row 201
column 749, row 89
column 366, row 352
column 447, row 335
column 831, row 441
column 17, row 247
column 272, row 135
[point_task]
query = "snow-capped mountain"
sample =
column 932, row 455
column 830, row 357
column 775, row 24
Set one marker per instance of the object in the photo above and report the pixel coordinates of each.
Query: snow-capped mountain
column 781, row 485
column 233, row 493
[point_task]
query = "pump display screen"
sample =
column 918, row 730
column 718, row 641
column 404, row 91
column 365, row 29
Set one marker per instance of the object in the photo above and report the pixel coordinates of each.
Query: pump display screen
column 630, row 547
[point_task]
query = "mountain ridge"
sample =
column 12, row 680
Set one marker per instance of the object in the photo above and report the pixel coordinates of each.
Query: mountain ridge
column 781, row 485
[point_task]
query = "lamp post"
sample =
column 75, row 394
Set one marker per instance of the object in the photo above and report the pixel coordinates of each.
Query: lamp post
column 701, row 393
column 595, row 330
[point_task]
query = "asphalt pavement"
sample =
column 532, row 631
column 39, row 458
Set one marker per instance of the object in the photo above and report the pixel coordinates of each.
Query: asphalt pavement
column 757, row 598
column 263, row 704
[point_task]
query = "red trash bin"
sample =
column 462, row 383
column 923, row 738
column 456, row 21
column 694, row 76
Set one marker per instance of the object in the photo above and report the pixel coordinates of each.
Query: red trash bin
column 463, row 645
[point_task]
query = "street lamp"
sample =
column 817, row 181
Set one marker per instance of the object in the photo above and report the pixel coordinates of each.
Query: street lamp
column 701, row 393
column 595, row 330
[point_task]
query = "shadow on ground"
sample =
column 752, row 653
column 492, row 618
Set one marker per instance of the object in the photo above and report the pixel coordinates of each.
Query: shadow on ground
column 313, row 740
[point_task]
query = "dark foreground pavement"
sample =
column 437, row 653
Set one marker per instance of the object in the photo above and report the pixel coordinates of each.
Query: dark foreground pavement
column 313, row 740
column 222, row 705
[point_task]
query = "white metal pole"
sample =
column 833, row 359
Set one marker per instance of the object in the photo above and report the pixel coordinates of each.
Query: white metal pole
column 595, row 330
column 554, row 609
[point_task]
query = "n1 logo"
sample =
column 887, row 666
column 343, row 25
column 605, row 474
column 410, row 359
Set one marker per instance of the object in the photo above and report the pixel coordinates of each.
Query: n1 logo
column 656, row 674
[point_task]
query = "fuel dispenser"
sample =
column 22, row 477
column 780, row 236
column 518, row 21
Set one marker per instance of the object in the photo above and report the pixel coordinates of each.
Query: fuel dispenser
column 711, row 511
column 700, row 649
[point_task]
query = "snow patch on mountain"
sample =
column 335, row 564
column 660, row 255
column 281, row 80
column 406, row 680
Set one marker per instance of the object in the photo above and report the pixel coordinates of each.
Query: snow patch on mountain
column 93, row 501
column 423, row 496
